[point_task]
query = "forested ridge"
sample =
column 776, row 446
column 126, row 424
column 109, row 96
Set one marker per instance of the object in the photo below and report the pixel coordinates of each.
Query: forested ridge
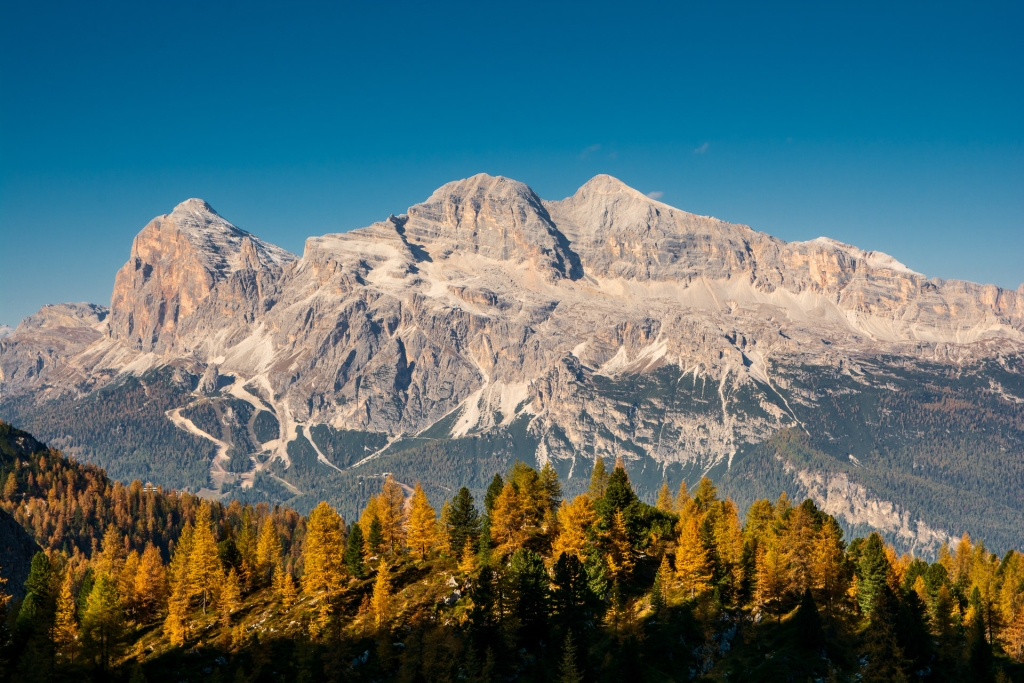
column 135, row 583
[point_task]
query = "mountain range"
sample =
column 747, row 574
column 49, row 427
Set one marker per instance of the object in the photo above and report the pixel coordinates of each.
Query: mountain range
column 487, row 324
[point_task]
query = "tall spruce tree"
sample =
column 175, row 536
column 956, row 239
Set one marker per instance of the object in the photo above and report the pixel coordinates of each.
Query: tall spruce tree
column 464, row 521
column 354, row 551
column 493, row 491
column 598, row 479
column 873, row 572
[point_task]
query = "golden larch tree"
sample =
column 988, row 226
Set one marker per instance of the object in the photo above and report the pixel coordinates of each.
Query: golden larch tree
column 230, row 598
column 692, row 562
column 772, row 577
column 618, row 551
column 576, row 521
column 205, row 572
column 728, row 538
column 268, row 550
column 65, row 625
column 324, row 566
column 126, row 583
column 508, row 521
column 178, row 623
column 150, row 582
column 381, row 600
column 827, row 563
column 665, row 502
column 421, row 527
column 391, row 513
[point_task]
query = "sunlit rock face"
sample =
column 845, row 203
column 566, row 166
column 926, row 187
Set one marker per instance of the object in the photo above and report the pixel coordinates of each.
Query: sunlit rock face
column 486, row 304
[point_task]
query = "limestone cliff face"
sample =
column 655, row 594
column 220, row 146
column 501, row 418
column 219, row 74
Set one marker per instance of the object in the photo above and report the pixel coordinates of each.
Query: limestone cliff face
column 44, row 341
column 486, row 302
column 177, row 262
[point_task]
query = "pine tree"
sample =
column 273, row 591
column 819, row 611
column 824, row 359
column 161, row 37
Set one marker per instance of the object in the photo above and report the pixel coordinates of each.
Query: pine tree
column 391, row 512
column 375, row 539
column 705, row 495
column 598, row 479
column 381, row 600
column 102, row 622
column 660, row 587
column 268, row 551
column 550, row 487
column 617, row 495
column 421, row 526
column 508, row 521
column 354, row 552
column 576, row 522
column 568, row 670
column 692, row 562
column 464, row 522
column 665, row 502
column 65, row 625
column 323, row 571
column 494, row 490
column 486, row 542
column 205, row 572
column 874, row 572
column 884, row 656
column 528, row 589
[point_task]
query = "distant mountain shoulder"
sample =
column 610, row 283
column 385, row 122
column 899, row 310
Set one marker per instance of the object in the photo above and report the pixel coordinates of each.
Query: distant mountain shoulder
column 487, row 324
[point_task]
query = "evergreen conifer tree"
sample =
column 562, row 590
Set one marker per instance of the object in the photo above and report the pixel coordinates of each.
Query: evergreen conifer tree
column 568, row 670
column 464, row 521
column 874, row 572
column 493, row 491
column 103, row 622
column 375, row 539
column 354, row 552
column 598, row 479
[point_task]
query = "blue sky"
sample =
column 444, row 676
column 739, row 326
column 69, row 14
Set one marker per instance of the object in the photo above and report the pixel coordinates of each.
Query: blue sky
column 895, row 127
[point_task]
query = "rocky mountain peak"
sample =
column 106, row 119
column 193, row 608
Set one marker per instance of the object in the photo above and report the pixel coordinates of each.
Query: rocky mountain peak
column 194, row 205
column 175, row 263
column 493, row 217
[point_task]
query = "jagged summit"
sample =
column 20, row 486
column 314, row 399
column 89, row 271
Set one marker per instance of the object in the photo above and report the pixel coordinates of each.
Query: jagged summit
column 194, row 205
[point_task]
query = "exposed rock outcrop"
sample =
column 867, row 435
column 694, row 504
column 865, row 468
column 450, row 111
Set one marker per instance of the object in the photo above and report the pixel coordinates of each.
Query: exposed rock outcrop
column 485, row 302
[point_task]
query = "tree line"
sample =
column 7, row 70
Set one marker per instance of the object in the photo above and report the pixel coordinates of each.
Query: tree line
column 522, row 585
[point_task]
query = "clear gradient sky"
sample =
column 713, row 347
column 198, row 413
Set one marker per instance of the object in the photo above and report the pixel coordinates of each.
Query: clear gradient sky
column 895, row 127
